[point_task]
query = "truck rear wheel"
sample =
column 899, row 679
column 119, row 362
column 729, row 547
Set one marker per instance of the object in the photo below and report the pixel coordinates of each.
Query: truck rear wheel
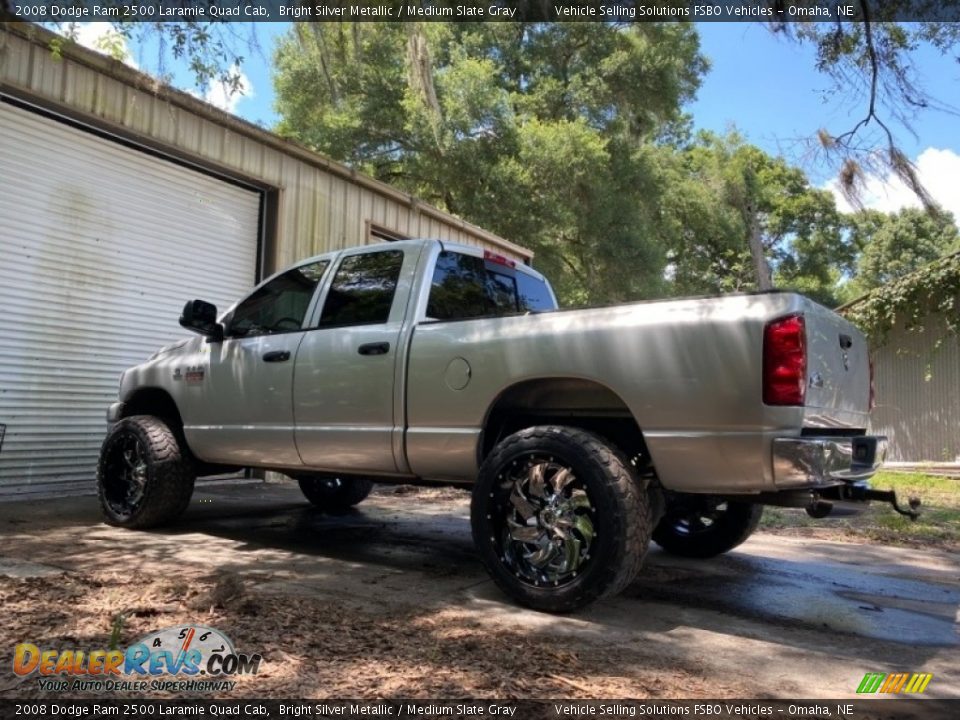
column 144, row 477
column 330, row 492
column 701, row 526
column 559, row 519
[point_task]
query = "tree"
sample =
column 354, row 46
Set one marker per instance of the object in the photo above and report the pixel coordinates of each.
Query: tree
column 895, row 244
column 539, row 132
column 868, row 56
column 742, row 220
column 214, row 51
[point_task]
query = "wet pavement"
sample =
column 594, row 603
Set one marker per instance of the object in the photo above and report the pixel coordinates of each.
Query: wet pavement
column 795, row 615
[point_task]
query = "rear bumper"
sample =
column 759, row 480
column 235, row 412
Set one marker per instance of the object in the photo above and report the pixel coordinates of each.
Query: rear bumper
column 807, row 462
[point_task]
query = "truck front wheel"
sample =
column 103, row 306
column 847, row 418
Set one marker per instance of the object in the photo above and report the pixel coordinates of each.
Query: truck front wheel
column 701, row 526
column 329, row 492
column 559, row 519
column 144, row 477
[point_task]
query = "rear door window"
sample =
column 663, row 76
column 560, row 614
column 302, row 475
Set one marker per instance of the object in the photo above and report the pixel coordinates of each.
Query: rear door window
column 362, row 290
column 534, row 294
column 466, row 286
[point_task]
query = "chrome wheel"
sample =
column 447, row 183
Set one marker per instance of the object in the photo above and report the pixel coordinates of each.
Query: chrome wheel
column 546, row 527
column 696, row 517
column 558, row 518
column 126, row 475
column 331, row 484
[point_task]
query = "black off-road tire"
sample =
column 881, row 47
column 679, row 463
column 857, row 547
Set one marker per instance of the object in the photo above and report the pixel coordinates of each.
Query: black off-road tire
column 620, row 513
column 335, row 494
column 168, row 477
column 730, row 528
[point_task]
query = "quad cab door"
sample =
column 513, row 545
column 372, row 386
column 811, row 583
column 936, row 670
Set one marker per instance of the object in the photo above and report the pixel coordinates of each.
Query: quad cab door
column 241, row 399
column 345, row 380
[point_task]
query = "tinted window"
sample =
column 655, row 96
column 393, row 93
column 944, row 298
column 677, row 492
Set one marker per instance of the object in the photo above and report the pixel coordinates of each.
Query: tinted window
column 534, row 294
column 278, row 306
column 465, row 286
column 457, row 290
column 363, row 288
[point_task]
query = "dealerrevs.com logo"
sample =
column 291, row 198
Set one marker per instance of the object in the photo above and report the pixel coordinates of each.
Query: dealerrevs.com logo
column 177, row 659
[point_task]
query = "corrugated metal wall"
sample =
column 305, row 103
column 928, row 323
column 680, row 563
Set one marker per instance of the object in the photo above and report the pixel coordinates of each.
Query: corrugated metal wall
column 99, row 248
column 918, row 395
column 322, row 204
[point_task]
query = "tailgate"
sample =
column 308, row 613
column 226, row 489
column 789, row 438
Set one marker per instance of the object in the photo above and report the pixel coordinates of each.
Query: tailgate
column 838, row 370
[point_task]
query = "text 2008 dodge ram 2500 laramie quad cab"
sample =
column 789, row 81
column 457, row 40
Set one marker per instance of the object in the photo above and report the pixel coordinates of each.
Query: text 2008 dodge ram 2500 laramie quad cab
column 583, row 433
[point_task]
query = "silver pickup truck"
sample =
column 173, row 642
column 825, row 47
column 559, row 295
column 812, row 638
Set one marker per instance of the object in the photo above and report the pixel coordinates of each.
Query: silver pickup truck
column 583, row 433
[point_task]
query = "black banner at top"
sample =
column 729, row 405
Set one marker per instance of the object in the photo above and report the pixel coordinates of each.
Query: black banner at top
column 776, row 11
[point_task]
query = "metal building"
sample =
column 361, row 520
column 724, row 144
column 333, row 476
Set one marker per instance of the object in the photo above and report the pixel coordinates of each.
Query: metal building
column 917, row 374
column 917, row 379
column 120, row 198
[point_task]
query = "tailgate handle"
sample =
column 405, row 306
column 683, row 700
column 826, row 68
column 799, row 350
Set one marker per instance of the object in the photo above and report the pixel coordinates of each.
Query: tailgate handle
column 846, row 342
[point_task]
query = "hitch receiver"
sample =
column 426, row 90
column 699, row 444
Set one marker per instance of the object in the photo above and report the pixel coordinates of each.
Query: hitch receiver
column 890, row 496
column 862, row 493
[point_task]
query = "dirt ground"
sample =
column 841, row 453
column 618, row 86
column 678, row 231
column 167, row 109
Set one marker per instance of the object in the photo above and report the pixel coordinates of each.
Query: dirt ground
column 390, row 601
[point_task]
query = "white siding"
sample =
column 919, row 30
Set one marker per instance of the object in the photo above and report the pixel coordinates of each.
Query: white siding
column 100, row 245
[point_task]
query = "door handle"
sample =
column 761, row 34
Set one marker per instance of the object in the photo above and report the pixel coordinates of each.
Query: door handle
column 378, row 348
column 276, row 356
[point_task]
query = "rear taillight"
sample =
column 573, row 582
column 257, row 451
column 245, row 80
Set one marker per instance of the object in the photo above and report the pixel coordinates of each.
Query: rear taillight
column 873, row 388
column 784, row 361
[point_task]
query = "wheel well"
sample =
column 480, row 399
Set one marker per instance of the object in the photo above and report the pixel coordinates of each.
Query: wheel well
column 157, row 402
column 565, row 401
column 153, row 401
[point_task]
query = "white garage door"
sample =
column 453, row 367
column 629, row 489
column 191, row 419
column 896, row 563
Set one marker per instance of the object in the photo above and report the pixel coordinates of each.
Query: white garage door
column 100, row 246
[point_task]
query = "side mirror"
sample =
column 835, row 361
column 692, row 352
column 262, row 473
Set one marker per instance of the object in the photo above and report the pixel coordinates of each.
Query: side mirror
column 201, row 317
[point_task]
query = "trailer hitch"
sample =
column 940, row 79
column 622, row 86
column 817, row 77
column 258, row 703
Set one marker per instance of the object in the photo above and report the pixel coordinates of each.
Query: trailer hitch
column 891, row 497
column 866, row 494
column 820, row 502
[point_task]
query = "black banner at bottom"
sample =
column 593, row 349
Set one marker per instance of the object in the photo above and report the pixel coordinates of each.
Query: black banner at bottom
column 891, row 708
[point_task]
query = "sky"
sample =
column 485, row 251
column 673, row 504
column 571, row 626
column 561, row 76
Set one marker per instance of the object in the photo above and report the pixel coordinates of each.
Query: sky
column 769, row 89
column 765, row 86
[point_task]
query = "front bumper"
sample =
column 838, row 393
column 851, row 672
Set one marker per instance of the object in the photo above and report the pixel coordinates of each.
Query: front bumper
column 807, row 462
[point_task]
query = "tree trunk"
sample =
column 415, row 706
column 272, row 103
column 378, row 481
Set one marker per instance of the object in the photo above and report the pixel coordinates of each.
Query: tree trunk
column 760, row 265
column 420, row 68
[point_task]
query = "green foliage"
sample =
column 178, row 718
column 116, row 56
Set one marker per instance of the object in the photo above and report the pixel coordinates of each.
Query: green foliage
column 116, row 631
column 567, row 138
column 899, row 270
column 895, row 245
column 911, row 300
column 211, row 50
column 718, row 191
column 540, row 132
